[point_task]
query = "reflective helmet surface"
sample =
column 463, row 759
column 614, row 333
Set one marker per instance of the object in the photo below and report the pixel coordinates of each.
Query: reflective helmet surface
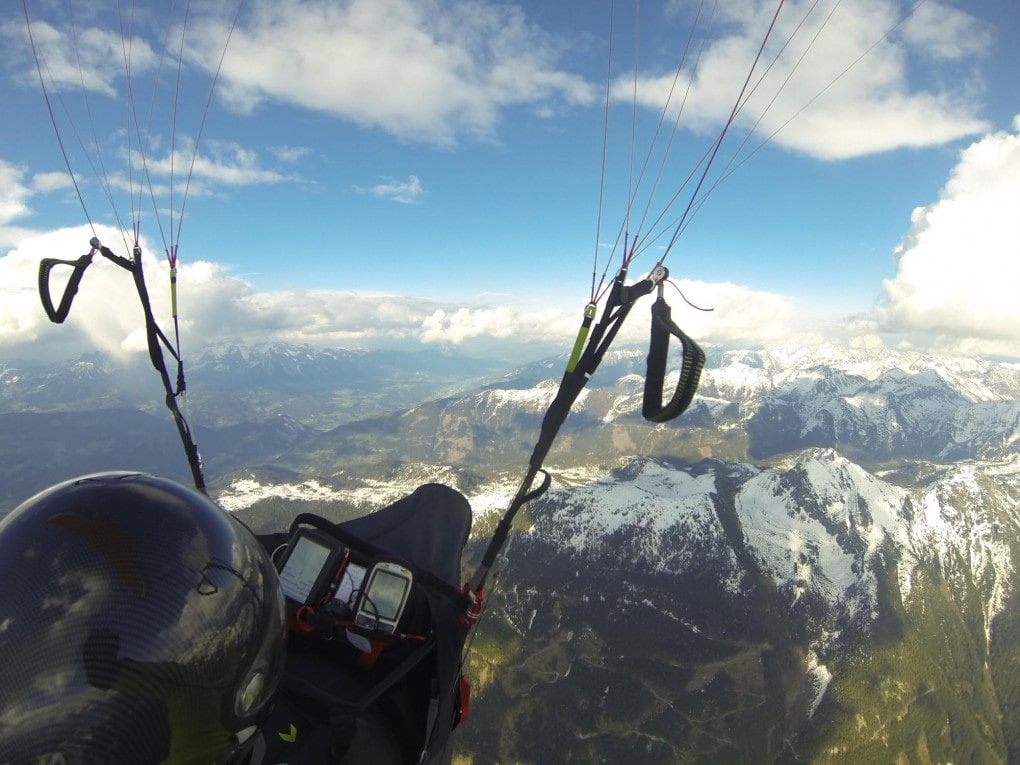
column 139, row 623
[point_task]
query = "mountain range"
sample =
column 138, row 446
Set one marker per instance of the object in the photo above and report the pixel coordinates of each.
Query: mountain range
column 726, row 612
column 816, row 563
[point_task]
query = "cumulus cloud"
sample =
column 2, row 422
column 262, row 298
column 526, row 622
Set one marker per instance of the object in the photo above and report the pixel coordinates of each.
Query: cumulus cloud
column 427, row 70
column 944, row 32
column 214, row 306
column 100, row 315
column 46, row 182
column 434, row 70
column 736, row 316
column 829, row 83
column 958, row 266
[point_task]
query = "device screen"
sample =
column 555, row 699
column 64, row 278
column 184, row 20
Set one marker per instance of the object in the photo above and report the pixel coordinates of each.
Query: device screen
column 386, row 591
column 302, row 567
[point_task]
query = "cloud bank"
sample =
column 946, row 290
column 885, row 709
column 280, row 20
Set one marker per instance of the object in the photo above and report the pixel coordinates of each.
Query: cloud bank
column 216, row 307
column 959, row 265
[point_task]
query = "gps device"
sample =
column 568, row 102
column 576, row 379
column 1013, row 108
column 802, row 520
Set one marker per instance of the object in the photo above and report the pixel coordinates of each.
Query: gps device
column 381, row 601
column 310, row 565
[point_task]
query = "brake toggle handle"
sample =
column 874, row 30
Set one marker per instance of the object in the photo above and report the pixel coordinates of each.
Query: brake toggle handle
column 58, row 313
column 693, row 362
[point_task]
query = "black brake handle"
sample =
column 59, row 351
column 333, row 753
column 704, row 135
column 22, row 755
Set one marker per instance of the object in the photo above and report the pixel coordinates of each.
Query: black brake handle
column 663, row 328
column 46, row 265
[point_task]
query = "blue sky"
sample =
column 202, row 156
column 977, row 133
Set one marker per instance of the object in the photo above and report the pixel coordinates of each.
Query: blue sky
column 400, row 172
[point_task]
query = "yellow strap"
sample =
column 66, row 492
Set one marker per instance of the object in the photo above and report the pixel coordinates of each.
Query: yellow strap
column 582, row 336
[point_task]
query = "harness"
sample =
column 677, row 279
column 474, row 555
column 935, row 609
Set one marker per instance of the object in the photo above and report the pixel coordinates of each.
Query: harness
column 408, row 689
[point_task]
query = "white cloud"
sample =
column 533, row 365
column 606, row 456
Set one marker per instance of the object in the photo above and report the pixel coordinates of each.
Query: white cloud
column 422, row 70
column 742, row 316
column 77, row 58
column 436, row 70
column 84, row 52
column 14, row 196
column 945, row 32
column 838, row 89
column 45, row 182
column 220, row 162
column 407, row 192
column 959, row 266
column 102, row 315
column 289, row 154
column 930, row 305
column 456, row 326
column 13, row 193
column 216, row 307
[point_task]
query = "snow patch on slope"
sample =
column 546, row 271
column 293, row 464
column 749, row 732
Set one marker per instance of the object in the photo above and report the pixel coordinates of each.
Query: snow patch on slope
column 819, row 526
column 656, row 503
column 245, row 492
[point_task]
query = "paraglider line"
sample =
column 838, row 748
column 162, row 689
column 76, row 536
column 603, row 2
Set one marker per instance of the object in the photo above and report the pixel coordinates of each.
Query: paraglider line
column 722, row 135
column 602, row 175
column 201, row 127
column 49, row 108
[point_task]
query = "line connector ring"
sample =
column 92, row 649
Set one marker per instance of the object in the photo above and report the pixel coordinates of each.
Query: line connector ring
column 658, row 276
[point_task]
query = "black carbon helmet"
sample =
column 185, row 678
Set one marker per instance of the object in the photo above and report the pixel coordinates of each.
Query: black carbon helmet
column 139, row 623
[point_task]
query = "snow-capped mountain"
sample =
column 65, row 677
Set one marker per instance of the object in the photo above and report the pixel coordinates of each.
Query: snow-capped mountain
column 815, row 526
column 877, row 415
column 878, row 405
column 816, row 562
column 742, row 375
column 896, row 415
column 717, row 611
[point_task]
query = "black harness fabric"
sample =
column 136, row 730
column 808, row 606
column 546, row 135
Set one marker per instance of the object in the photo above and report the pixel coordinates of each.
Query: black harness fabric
column 427, row 530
